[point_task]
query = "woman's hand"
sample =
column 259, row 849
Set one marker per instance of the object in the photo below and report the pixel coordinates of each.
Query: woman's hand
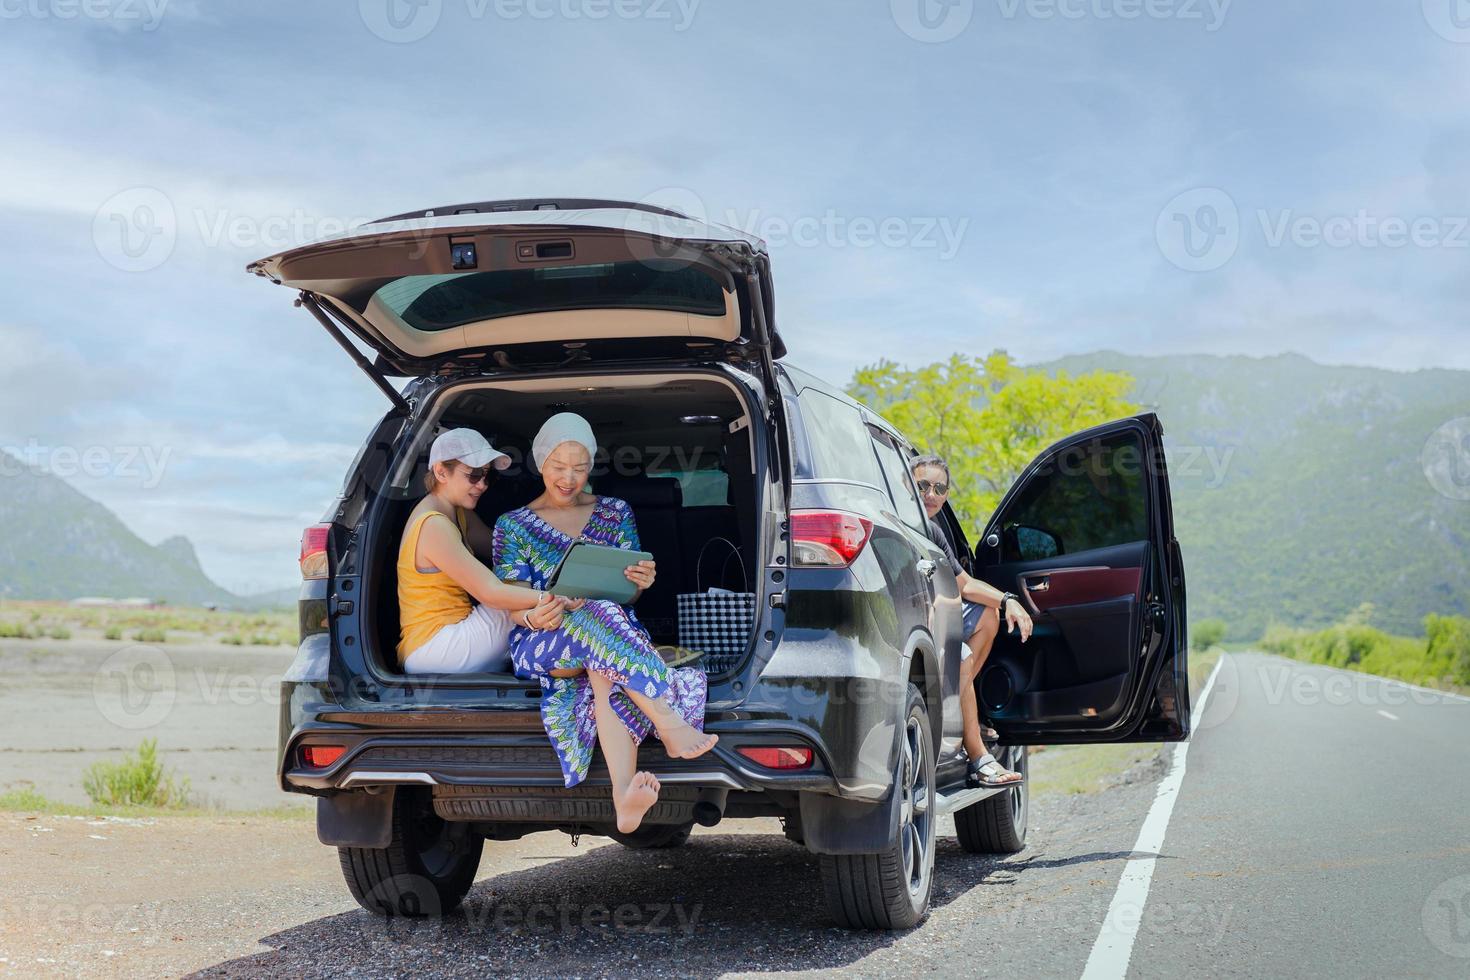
column 641, row 574
column 547, row 615
column 1018, row 618
column 572, row 605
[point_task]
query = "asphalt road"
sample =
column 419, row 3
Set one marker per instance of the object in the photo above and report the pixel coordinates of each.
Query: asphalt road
column 1319, row 829
column 1322, row 830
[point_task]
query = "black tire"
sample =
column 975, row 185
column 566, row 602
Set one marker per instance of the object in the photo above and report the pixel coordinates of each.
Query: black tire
column 654, row 836
column 997, row 824
column 426, row 869
column 891, row 889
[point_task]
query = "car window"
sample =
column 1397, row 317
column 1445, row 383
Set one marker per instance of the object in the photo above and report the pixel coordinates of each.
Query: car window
column 1092, row 495
column 901, row 486
column 439, row 302
column 700, row 488
column 838, row 440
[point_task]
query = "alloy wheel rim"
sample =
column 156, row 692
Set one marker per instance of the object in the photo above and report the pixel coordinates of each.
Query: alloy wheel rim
column 917, row 813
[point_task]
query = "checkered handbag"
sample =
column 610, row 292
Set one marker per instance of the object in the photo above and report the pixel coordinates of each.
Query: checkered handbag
column 717, row 623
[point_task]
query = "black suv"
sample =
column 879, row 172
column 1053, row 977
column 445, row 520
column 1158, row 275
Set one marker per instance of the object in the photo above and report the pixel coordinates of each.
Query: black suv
column 840, row 713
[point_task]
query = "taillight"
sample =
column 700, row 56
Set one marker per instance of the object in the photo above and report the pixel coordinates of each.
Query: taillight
column 827, row 537
column 314, row 551
column 777, row 757
column 321, row 756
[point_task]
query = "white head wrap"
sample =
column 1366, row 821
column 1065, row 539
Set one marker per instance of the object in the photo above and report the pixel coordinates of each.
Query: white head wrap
column 562, row 427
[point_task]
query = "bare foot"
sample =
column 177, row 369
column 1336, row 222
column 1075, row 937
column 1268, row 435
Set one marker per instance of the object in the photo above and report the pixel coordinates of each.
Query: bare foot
column 642, row 793
column 687, row 742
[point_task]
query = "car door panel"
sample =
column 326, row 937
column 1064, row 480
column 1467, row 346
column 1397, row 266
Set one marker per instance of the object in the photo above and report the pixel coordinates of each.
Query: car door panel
column 1105, row 661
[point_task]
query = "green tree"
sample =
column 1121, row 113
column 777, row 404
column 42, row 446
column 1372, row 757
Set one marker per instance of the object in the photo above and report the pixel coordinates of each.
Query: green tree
column 987, row 416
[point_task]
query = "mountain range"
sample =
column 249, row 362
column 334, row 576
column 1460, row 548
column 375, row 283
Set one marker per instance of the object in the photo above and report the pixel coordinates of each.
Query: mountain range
column 1301, row 489
column 58, row 543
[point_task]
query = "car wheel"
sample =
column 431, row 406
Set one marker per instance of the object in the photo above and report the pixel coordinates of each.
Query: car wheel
column 997, row 824
column 427, row 867
column 654, row 836
column 891, row 888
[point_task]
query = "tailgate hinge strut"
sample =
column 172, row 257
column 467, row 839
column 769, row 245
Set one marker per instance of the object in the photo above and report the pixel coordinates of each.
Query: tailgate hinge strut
column 310, row 302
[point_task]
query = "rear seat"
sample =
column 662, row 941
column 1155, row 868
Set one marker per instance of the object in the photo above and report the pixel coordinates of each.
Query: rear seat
column 657, row 503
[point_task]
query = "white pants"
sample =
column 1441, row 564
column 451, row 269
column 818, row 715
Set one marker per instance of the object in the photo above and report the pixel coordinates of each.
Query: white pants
column 477, row 644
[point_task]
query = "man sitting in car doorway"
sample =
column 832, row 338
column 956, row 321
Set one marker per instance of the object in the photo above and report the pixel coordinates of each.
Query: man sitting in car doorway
column 984, row 605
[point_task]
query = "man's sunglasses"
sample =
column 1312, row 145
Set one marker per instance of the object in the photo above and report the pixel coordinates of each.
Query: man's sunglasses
column 940, row 489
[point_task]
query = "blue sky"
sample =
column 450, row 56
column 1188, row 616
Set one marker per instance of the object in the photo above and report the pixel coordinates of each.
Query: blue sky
column 1044, row 176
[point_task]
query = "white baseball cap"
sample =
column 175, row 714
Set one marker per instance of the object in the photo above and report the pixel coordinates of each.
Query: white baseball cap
column 467, row 446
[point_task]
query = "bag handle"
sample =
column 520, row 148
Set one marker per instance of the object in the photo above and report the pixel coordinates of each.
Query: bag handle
column 734, row 552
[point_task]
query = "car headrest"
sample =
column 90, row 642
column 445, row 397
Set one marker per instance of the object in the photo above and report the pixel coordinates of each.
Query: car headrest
column 647, row 491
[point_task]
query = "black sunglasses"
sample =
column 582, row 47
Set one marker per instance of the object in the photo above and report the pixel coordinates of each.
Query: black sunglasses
column 478, row 475
column 939, row 489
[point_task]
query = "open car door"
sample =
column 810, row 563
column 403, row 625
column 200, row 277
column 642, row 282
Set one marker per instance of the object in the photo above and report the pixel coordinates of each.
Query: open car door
column 1085, row 537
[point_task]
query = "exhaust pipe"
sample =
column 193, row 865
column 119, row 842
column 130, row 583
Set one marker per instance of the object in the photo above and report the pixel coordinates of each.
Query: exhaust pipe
column 709, row 807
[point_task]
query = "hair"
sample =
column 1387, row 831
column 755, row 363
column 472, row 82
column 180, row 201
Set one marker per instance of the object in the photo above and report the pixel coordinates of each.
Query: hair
column 431, row 482
column 930, row 459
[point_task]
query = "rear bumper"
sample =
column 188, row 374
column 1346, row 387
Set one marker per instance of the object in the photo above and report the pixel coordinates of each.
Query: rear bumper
column 375, row 759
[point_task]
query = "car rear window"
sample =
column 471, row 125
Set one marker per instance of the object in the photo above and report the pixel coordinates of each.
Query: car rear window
column 443, row 301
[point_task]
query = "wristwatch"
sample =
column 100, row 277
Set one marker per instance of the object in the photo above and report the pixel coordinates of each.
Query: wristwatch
column 1004, row 598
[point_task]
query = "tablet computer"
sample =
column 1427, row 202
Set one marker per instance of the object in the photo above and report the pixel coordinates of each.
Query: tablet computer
column 595, row 571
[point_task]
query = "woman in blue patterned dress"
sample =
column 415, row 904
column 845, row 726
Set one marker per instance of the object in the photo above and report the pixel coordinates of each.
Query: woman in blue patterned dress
column 602, row 679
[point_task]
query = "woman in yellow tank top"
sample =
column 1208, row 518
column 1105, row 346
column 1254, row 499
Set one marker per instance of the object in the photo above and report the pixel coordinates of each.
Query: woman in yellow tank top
column 442, row 631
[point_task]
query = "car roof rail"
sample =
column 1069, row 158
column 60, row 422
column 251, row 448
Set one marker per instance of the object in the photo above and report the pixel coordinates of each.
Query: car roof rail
column 530, row 204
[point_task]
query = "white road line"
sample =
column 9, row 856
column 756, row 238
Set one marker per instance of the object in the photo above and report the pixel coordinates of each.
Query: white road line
column 1388, row 715
column 1114, row 945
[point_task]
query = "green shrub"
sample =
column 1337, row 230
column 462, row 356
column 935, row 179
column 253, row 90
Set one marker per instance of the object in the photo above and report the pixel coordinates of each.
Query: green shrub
column 25, row 798
column 151, row 636
column 17, row 631
column 138, row 780
column 263, row 639
column 1207, row 633
column 233, row 639
column 59, row 633
column 1449, row 646
column 113, row 633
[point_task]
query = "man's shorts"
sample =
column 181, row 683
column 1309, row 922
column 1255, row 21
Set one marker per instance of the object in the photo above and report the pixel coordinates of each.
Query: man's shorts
column 972, row 611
